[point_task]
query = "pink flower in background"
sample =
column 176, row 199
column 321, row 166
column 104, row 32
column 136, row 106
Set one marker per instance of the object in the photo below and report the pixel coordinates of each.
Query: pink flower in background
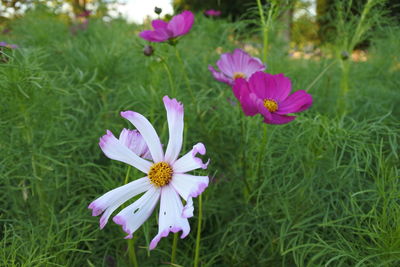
column 165, row 176
column 6, row 45
column 212, row 13
column 268, row 95
column 235, row 65
column 168, row 31
column 84, row 14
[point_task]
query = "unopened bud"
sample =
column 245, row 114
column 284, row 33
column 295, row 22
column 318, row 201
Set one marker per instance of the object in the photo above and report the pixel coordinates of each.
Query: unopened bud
column 344, row 55
column 148, row 50
column 157, row 10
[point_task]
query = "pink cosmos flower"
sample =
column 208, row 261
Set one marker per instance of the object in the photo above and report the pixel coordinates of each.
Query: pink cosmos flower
column 268, row 95
column 165, row 176
column 6, row 45
column 235, row 65
column 168, row 31
column 212, row 13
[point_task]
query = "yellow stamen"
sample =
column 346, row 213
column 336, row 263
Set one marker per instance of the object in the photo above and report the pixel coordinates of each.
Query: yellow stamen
column 271, row 105
column 239, row 75
column 160, row 174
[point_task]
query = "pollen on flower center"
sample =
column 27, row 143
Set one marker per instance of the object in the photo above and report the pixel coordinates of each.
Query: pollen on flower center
column 239, row 75
column 271, row 105
column 160, row 174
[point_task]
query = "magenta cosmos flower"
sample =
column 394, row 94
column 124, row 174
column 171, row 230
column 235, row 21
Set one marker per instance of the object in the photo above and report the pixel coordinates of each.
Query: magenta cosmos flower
column 165, row 176
column 168, row 31
column 212, row 13
column 235, row 65
column 268, row 95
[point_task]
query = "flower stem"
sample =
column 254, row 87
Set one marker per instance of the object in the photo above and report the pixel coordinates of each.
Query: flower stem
column 320, row 75
column 266, row 25
column 178, row 56
column 260, row 157
column 197, row 250
column 174, row 246
column 243, row 159
column 131, row 242
column 168, row 70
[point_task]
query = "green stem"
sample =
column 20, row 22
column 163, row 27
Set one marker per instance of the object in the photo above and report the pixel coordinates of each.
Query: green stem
column 344, row 87
column 198, row 236
column 131, row 242
column 174, row 246
column 261, row 152
column 244, row 165
column 264, row 31
column 320, row 75
column 168, row 70
column 186, row 77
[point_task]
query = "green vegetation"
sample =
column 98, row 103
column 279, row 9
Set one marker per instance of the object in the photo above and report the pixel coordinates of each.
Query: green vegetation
column 325, row 194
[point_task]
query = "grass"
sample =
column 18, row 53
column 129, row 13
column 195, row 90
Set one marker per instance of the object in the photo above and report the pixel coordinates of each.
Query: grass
column 325, row 194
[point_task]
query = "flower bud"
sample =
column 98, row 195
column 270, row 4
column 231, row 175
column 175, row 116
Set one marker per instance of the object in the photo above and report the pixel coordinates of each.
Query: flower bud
column 344, row 55
column 148, row 50
column 157, row 10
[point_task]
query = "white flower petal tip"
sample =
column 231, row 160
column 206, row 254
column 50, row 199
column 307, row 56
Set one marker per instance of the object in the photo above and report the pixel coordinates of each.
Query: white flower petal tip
column 173, row 104
column 120, row 220
column 105, row 139
column 128, row 114
column 201, row 149
column 96, row 210
column 189, row 161
column 188, row 209
column 165, row 233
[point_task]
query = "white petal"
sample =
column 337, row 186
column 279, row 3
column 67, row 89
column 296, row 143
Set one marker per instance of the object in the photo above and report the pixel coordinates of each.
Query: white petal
column 189, row 185
column 133, row 216
column 111, row 200
column 148, row 132
column 135, row 142
column 114, row 149
column 170, row 218
column 175, row 126
column 189, row 161
column 188, row 209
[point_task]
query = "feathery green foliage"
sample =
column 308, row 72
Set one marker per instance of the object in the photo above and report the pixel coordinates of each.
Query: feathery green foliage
column 326, row 194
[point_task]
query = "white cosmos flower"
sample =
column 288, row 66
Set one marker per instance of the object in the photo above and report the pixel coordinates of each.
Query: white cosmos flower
column 165, row 179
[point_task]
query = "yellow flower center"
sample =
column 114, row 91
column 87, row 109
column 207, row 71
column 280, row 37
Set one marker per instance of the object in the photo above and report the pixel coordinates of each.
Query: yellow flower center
column 238, row 75
column 160, row 174
column 271, row 105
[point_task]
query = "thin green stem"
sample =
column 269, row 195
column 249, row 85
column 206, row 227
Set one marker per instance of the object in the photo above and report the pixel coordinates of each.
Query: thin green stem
column 260, row 156
column 244, row 165
column 320, row 75
column 174, row 246
column 168, row 70
column 131, row 242
column 264, row 31
column 186, row 77
column 198, row 236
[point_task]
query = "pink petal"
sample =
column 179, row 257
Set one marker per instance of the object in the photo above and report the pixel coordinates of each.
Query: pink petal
column 226, row 65
column 181, row 24
column 158, row 23
column 279, row 119
column 111, row 200
column 148, row 132
column 170, row 217
column 189, row 161
column 242, row 93
column 296, row 102
column 135, row 142
column 219, row 76
column 115, row 149
column 175, row 126
column 133, row 216
column 158, row 36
